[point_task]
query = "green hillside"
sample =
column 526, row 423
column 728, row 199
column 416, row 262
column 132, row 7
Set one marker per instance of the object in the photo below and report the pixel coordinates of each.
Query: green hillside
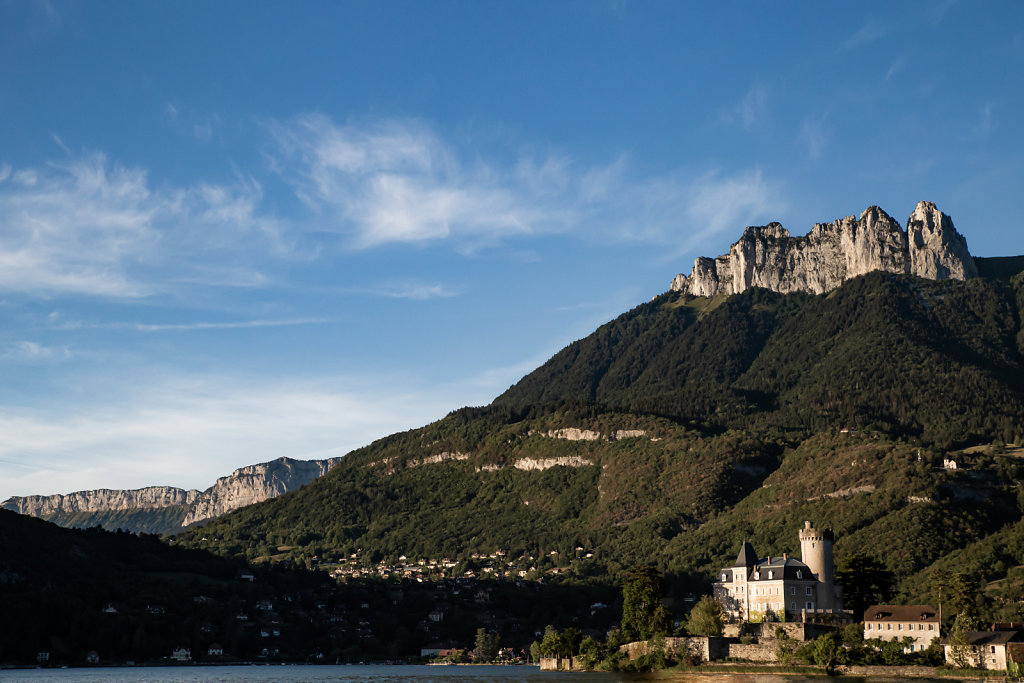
column 165, row 520
column 687, row 425
column 940, row 361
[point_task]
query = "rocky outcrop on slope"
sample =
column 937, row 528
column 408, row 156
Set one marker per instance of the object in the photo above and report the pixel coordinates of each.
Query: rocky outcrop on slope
column 244, row 486
column 832, row 253
column 255, row 484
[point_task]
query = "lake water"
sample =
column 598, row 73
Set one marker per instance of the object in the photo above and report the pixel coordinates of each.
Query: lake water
column 312, row 674
column 391, row 674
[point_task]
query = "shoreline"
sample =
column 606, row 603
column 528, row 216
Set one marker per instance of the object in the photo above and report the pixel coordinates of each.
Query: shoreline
column 869, row 673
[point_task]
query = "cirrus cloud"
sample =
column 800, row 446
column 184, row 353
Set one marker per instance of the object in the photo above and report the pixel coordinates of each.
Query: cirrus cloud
column 93, row 227
column 399, row 182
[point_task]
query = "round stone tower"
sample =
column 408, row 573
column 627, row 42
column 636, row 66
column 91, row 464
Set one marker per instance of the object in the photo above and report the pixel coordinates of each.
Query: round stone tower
column 816, row 553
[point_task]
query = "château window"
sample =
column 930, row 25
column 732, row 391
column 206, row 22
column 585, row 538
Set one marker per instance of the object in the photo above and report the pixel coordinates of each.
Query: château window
column 808, row 590
column 792, row 591
column 723, row 578
column 931, row 627
column 771, row 574
column 799, row 574
column 757, row 575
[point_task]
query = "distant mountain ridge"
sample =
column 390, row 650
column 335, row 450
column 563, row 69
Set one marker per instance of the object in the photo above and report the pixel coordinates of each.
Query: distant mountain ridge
column 167, row 509
column 832, row 253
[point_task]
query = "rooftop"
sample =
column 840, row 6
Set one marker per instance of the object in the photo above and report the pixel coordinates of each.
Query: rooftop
column 901, row 613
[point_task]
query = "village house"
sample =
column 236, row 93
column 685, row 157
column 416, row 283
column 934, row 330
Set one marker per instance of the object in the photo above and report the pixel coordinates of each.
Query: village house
column 782, row 588
column 984, row 649
column 895, row 622
column 181, row 654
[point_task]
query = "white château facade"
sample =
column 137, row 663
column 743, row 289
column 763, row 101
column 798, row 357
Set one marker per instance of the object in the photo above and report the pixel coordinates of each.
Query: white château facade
column 782, row 588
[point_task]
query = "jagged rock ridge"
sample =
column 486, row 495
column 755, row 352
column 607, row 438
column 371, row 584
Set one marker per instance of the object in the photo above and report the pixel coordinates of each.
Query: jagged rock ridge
column 254, row 484
column 151, row 497
column 244, row 486
column 832, row 253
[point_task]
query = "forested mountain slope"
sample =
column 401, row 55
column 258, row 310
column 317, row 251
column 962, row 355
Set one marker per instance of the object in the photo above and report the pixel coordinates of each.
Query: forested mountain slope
column 689, row 424
column 937, row 360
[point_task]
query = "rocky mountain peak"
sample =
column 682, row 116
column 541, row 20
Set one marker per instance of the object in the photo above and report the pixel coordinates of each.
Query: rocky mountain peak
column 244, row 486
column 771, row 231
column 937, row 250
column 832, row 253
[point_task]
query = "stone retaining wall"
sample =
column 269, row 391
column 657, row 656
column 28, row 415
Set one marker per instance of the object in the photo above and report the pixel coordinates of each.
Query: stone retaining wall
column 703, row 649
column 754, row 652
column 560, row 664
column 926, row 671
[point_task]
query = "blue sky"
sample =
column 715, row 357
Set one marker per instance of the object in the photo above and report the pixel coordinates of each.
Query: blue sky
column 233, row 231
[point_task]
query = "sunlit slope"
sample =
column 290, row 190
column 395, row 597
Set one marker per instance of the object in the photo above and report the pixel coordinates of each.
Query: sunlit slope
column 687, row 425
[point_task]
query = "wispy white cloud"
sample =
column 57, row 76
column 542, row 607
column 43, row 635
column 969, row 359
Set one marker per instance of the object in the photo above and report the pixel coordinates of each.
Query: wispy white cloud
column 939, row 10
column 191, row 326
column 723, row 204
column 895, row 67
column 869, row 32
column 191, row 123
column 60, row 143
column 33, row 351
column 983, row 128
column 813, row 136
column 89, row 226
column 750, row 110
column 187, row 431
column 417, row 292
column 73, row 227
column 399, row 182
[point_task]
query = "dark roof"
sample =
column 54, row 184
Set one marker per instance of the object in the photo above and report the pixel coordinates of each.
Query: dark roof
column 991, row 637
column 777, row 562
column 782, row 568
column 901, row 613
column 747, row 556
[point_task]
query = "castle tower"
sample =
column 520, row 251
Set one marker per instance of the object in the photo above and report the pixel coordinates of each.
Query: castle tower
column 816, row 553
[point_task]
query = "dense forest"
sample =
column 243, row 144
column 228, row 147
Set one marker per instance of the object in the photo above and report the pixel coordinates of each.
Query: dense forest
column 890, row 410
column 123, row 597
column 940, row 361
column 689, row 424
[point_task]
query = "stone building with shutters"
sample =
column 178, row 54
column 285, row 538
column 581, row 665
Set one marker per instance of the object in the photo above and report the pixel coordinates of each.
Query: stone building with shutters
column 782, row 588
column 895, row 622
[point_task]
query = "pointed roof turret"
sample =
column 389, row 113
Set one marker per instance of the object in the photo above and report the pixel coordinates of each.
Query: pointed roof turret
column 747, row 556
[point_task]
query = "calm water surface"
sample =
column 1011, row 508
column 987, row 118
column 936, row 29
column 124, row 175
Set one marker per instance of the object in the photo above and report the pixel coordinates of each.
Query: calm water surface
column 393, row 674
column 313, row 674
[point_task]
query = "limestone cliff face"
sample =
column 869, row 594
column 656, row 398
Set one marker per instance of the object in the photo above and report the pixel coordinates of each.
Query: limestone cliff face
column 244, row 486
column 151, row 497
column 832, row 253
column 254, row 484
